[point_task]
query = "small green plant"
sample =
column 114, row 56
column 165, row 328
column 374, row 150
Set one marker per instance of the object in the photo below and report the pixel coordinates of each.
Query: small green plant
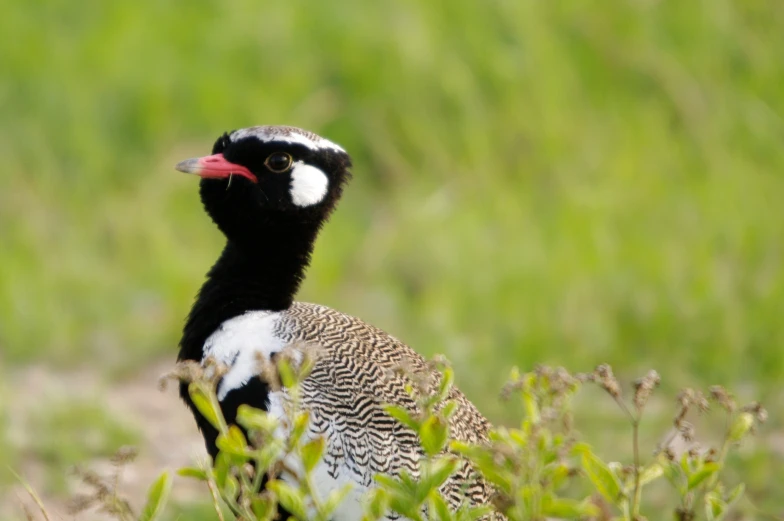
column 540, row 470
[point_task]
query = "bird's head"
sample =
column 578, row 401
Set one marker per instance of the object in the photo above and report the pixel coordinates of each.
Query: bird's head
column 262, row 174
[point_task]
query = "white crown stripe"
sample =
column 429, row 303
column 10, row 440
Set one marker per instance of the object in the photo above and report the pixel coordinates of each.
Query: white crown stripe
column 290, row 135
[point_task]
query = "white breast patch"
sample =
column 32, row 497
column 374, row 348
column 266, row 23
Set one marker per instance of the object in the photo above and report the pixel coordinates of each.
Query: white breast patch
column 238, row 342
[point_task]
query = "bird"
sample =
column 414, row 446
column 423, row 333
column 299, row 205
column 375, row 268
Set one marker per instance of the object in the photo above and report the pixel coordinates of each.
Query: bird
column 269, row 190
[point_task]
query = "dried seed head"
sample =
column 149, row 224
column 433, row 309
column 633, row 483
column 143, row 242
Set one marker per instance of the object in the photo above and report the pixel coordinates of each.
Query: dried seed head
column 185, row 371
column 695, row 451
column 213, row 370
column 91, row 479
column 584, row 377
column 685, row 397
column 267, row 371
column 685, row 400
column 687, row 431
column 438, row 363
column 603, row 371
column 124, row 455
column 701, row 402
column 711, row 455
column 644, row 387
column 720, row 395
column 756, row 409
column 605, row 378
column 562, row 383
column 79, row 503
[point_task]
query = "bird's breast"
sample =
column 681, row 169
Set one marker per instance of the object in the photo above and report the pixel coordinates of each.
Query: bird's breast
column 242, row 343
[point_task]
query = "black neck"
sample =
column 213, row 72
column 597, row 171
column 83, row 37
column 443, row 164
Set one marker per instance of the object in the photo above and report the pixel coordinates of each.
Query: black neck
column 260, row 269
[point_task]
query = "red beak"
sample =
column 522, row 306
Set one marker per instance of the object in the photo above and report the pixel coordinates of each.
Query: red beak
column 213, row 167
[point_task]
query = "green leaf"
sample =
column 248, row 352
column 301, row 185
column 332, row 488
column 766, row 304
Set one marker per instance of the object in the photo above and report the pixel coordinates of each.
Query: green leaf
column 391, row 484
column 378, row 505
column 263, row 508
column 735, row 494
column 193, row 472
column 256, row 419
column 408, row 481
column 564, row 508
column 157, row 496
column 204, row 404
column 268, row 455
column 287, row 376
column 290, row 498
column 558, row 474
column 433, row 433
column 334, row 499
column 472, row 513
column 447, row 379
column 402, row 415
column 600, row 474
column 519, row 438
column 449, row 409
column 438, row 509
column 311, row 453
column 221, row 468
column 532, row 412
column 741, row 426
column 232, row 442
column 651, row 473
column 231, row 488
column 686, row 464
column 715, row 507
column 439, row 471
column 674, row 474
column 299, row 427
column 705, row 471
column 402, row 493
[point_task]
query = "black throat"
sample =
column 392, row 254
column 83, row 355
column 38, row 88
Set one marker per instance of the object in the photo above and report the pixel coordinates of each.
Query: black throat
column 259, row 269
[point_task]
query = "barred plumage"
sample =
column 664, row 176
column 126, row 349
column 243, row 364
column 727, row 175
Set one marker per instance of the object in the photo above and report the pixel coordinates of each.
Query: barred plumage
column 347, row 388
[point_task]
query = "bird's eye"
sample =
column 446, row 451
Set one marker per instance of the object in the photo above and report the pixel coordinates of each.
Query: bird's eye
column 278, row 162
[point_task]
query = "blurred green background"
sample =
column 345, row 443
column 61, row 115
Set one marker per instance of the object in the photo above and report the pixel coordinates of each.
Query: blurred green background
column 535, row 181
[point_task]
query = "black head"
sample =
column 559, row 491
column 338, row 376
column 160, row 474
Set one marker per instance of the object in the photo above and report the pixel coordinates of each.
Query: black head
column 261, row 174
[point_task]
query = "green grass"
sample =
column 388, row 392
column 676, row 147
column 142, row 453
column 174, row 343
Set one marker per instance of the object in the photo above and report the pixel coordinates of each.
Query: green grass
column 557, row 182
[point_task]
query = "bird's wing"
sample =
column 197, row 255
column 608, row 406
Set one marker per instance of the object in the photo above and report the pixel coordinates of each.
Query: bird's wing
column 355, row 375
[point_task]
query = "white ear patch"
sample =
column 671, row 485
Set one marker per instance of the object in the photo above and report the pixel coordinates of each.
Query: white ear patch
column 308, row 184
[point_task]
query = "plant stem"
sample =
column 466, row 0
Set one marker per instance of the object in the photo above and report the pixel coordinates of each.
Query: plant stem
column 214, row 493
column 636, row 448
